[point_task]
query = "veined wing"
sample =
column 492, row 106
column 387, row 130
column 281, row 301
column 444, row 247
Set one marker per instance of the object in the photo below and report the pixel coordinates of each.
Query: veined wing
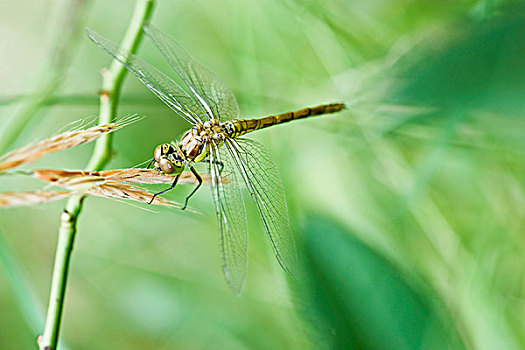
column 231, row 216
column 160, row 84
column 215, row 98
column 265, row 186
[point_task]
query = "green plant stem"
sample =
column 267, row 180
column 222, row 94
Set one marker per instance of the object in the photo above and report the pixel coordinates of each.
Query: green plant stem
column 111, row 85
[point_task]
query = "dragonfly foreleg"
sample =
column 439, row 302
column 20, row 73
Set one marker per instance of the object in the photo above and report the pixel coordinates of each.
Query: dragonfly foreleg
column 150, row 162
column 199, row 179
column 169, row 189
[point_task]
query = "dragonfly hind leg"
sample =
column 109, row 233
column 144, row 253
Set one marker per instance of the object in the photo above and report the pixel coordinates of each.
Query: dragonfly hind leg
column 199, row 179
column 166, row 190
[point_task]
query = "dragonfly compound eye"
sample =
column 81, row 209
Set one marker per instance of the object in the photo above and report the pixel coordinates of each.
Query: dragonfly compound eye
column 166, row 166
column 167, row 148
column 158, row 153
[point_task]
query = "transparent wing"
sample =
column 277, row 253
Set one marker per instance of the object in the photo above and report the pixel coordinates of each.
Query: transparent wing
column 265, row 186
column 231, row 216
column 215, row 97
column 160, row 84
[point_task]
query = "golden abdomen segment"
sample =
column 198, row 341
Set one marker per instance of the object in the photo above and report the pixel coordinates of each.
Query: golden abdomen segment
column 244, row 126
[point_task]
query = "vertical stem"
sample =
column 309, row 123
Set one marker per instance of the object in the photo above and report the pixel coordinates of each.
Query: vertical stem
column 112, row 81
column 66, row 238
column 111, row 85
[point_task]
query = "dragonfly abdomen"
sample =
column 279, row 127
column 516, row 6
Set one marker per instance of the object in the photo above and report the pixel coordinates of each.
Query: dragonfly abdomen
column 244, row 126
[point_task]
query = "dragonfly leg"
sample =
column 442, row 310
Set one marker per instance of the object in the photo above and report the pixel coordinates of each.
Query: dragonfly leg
column 169, row 189
column 199, row 179
column 150, row 162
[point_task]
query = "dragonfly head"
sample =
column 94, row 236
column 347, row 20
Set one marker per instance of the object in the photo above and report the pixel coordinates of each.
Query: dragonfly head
column 168, row 160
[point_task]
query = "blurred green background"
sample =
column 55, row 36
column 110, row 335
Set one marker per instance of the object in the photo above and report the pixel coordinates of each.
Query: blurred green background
column 409, row 207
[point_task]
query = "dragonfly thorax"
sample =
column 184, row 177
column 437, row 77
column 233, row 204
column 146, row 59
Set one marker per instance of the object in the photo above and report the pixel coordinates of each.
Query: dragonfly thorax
column 194, row 141
column 171, row 159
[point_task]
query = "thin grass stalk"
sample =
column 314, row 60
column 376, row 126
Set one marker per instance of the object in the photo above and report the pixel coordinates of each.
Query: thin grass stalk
column 20, row 286
column 112, row 82
column 68, row 16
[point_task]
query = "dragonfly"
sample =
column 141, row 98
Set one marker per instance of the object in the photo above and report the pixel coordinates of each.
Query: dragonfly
column 204, row 101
